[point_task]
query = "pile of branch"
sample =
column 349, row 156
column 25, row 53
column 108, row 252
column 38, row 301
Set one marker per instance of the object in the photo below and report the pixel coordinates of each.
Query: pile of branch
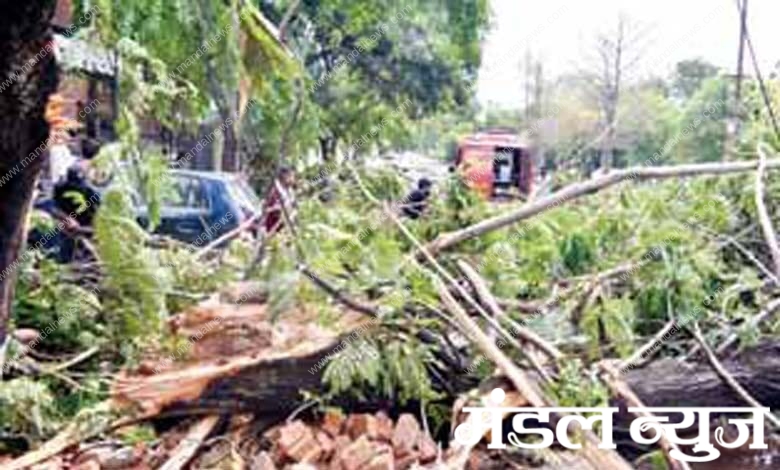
column 241, row 363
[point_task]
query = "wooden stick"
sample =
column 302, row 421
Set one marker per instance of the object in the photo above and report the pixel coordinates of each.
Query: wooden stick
column 598, row 458
column 75, row 360
column 459, row 453
column 486, row 296
column 445, row 275
column 727, row 378
column 770, row 309
column 585, row 188
column 337, row 294
column 638, row 358
column 71, row 436
column 619, row 388
column 247, row 223
column 763, row 214
column 189, row 445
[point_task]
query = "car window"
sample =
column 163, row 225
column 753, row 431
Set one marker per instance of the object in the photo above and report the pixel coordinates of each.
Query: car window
column 242, row 193
column 249, row 192
column 186, row 192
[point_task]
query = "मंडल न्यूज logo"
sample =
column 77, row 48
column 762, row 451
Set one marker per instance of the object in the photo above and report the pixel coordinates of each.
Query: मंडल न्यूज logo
column 656, row 420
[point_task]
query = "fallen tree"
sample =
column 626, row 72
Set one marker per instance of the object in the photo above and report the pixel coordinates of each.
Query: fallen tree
column 577, row 190
column 240, row 360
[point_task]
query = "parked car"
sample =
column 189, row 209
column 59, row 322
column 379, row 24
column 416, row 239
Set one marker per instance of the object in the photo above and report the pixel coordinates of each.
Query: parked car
column 203, row 206
column 199, row 208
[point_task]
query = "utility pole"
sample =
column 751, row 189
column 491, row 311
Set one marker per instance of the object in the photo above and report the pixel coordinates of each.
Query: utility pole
column 740, row 73
column 538, row 89
column 734, row 123
column 527, row 70
column 741, row 54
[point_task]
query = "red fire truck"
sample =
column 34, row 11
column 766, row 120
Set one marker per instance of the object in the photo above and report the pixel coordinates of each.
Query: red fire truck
column 496, row 162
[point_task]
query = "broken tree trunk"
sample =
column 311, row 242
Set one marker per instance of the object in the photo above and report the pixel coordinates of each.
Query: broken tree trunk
column 235, row 359
column 238, row 361
column 669, row 382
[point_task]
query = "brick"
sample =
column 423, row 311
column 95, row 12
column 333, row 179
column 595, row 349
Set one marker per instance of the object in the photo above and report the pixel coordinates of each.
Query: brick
column 327, row 444
column 357, row 455
column 341, row 442
column 88, row 465
column 302, row 466
column 297, row 442
column 262, row 461
column 427, row 448
column 381, row 461
column 362, row 425
column 384, row 427
column 406, row 461
column 333, row 423
column 405, row 435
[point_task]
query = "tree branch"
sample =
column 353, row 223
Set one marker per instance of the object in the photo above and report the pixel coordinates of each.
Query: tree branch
column 487, row 297
column 611, row 377
column 727, row 377
column 585, row 188
column 763, row 213
column 598, row 458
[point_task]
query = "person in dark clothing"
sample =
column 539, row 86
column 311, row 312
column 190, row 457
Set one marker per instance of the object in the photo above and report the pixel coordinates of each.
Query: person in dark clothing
column 76, row 202
column 76, row 198
column 416, row 201
column 89, row 149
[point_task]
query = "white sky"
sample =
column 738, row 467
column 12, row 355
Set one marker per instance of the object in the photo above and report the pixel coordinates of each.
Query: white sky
column 562, row 33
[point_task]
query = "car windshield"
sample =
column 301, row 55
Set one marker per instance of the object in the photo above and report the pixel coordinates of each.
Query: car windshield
column 242, row 192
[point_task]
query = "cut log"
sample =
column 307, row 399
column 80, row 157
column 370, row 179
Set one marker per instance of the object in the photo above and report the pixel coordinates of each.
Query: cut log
column 234, row 359
column 669, row 382
column 239, row 361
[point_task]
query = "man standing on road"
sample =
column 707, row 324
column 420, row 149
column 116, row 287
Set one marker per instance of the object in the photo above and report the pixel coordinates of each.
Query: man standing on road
column 281, row 193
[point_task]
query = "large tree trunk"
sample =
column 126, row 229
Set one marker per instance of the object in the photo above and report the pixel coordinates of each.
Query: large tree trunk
column 223, row 79
column 28, row 75
column 230, row 154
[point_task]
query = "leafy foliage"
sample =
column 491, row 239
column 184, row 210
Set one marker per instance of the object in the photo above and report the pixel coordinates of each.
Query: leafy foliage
column 367, row 58
column 27, row 407
column 397, row 372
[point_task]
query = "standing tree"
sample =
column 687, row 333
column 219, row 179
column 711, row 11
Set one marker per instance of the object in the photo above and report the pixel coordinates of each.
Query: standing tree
column 367, row 59
column 617, row 53
column 29, row 75
column 226, row 52
column 690, row 75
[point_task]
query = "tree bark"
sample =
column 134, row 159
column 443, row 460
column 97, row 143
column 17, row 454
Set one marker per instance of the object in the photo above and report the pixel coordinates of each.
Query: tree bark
column 230, row 145
column 28, row 75
column 222, row 77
